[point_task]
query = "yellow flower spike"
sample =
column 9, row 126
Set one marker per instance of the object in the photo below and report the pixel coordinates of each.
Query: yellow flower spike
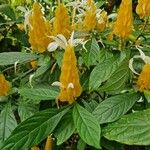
column 90, row 20
column 48, row 145
column 123, row 24
column 69, row 77
column 143, row 82
column 35, row 148
column 4, row 86
column 62, row 23
column 39, row 29
column 143, row 8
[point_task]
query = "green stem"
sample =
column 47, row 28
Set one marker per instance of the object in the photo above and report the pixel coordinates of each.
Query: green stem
column 146, row 21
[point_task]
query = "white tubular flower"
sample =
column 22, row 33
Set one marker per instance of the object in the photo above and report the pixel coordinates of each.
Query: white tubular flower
column 61, row 41
column 15, row 66
column 70, row 85
column 79, row 5
column 52, row 46
column 142, row 56
column 143, row 80
column 57, row 83
column 27, row 14
column 30, row 80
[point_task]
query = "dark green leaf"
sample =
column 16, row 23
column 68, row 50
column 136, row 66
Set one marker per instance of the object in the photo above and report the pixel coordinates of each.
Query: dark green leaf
column 39, row 93
column 7, row 122
column 8, row 11
column 104, row 55
column 81, row 145
column 26, row 109
column 147, row 95
column 41, row 70
column 91, row 55
column 114, row 107
column 65, row 128
column 59, row 57
column 132, row 129
column 90, row 106
column 87, row 126
column 118, row 79
column 111, row 145
column 33, row 130
column 101, row 73
column 12, row 57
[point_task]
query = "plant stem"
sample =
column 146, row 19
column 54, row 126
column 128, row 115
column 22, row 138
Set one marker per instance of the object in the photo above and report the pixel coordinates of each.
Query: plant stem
column 146, row 21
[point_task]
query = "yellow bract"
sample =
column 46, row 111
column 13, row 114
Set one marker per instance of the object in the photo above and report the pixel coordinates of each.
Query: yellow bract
column 48, row 145
column 143, row 82
column 4, row 86
column 69, row 77
column 61, row 23
column 143, row 8
column 39, row 29
column 35, row 148
column 123, row 24
column 90, row 20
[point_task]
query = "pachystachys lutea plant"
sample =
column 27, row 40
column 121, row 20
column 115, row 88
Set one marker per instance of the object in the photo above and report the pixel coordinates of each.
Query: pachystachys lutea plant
column 65, row 83
column 89, row 21
column 69, row 82
column 123, row 25
column 89, row 17
column 61, row 24
column 39, row 29
column 143, row 8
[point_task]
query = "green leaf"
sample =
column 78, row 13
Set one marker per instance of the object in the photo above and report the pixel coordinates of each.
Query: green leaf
column 147, row 95
column 118, row 78
column 41, row 70
column 81, row 145
column 90, row 106
column 8, row 11
column 132, row 129
column 26, row 109
column 114, row 107
column 91, row 55
column 104, row 55
column 87, row 126
column 64, row 129
column 101, row 73
column 39, row 93
column 111, row 145
column 12, row 57
column 33, row 130
column 59, row 57
column 7, row 122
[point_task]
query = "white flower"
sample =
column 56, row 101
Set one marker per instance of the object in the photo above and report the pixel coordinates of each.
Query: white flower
column 145, row 58
column 27, row 14
column 15, row 66
column 61, row 41
column 59, row 84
